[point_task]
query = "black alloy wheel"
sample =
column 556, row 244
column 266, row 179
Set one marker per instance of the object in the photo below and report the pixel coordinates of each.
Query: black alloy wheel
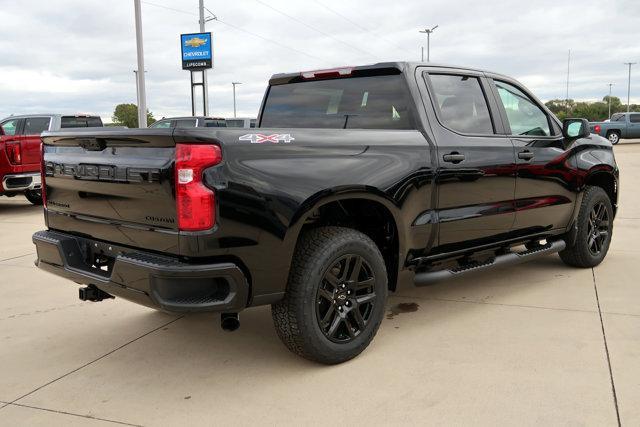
column 593, row 229
column 345, row 298
column 336, row 295
column 598, row 232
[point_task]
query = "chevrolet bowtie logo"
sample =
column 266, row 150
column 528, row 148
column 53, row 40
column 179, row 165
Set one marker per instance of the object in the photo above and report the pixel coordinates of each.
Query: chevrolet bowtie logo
column 195, row 42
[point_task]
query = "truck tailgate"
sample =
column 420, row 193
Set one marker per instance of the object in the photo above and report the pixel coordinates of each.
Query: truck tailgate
column 113, row 185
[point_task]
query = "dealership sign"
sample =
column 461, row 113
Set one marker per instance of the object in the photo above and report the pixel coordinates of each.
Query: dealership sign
column 197, row 52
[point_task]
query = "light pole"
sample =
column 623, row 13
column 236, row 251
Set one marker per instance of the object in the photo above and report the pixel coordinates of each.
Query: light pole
column 142, row 96
column 610, row 84
column 135, row 73
column 629, row 84
column 234, row 97
column 428, row 33
column 568, row 69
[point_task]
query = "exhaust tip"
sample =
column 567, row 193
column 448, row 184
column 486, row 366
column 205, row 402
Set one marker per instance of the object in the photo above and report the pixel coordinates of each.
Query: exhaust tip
column 229, row 321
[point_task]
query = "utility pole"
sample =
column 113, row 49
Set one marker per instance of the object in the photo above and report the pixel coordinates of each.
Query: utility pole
column 629, row 84
column 428, row 33
column 204, row 72
column 610, row 84
column 234, row 97
column 422, row 56
column 568, row 68
column 142, row 96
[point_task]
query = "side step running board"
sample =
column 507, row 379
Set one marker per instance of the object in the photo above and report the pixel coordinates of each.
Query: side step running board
column 430, row 277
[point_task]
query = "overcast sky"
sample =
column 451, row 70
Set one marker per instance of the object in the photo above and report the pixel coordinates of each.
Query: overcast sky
column 72, row 56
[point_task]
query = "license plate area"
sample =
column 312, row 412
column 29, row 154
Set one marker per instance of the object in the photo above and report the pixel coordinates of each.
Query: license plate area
column 99, row 258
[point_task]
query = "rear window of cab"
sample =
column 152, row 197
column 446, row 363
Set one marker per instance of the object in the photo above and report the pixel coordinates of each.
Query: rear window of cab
column 376, row 102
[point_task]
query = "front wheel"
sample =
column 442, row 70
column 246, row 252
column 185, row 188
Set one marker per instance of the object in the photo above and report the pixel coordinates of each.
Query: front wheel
column 613, row 137
column 335, row 298
column 595, row 227
column 34, row 196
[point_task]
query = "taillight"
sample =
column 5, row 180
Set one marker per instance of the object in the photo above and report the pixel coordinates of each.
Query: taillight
column 597, row 129
column 43, row 174
column 195, row 203
column 14, row 154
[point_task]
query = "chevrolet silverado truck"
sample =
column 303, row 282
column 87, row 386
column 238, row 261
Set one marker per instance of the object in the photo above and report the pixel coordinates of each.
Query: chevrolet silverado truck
column 356, row 181
column 620, row 126
column 20, row 150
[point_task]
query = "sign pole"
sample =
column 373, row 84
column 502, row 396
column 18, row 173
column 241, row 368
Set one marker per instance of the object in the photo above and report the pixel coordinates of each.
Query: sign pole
column 193, row 102
column 197, row 55
column 205, row 88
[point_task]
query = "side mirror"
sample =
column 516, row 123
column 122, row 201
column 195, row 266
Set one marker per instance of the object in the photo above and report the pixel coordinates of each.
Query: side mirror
column 1, row 131
column 575, row 128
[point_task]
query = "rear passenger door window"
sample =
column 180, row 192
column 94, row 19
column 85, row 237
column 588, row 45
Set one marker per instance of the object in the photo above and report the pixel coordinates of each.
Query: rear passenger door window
column 461, row 104
column 36, row 125
column 524, row 115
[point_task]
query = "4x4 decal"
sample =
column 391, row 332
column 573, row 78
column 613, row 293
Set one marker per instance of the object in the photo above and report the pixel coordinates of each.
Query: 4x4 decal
column 258, row 138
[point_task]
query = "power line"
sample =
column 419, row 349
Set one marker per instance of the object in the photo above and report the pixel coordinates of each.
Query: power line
column 169, row 8
column 314, row 28
column 357, row 25
column 269, row 40
column 237, row 28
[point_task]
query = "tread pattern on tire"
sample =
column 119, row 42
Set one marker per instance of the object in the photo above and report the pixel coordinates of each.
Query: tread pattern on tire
column 286, row 313
column 578, row 255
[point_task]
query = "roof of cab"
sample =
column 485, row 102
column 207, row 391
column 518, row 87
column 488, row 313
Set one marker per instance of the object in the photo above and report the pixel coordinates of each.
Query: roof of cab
column 399, row 66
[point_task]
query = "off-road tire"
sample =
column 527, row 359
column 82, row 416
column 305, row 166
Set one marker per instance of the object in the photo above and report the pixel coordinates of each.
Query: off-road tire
column 295, row 317
column 34, row 196
column 579, row 254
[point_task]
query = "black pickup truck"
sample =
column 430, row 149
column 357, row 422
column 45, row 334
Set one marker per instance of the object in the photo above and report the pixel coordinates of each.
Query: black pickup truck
column 357, row 180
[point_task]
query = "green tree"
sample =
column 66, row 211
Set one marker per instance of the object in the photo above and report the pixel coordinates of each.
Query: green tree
column 616, row 104
column 592, row 111
column 127, row 115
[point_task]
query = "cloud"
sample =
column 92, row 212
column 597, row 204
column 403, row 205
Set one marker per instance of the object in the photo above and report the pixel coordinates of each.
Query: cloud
column 68, row 56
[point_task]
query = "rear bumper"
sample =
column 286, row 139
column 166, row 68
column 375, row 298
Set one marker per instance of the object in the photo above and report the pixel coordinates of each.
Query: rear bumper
column 142, row 277
column 21, row 182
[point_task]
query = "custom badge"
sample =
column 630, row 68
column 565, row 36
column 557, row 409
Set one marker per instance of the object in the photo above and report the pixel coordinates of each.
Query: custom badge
column 258, row 138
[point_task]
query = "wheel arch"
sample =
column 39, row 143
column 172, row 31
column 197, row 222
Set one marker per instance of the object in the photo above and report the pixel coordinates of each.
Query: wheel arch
column 604, row 176
column 365, row 209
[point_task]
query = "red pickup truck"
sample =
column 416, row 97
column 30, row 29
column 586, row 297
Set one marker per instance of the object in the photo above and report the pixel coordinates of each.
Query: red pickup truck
column 20, row 150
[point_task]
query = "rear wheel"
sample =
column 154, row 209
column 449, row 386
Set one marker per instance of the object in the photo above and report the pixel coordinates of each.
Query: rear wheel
column 613, row 137
column 34, row 196
column 335, row 296
column 595, row 227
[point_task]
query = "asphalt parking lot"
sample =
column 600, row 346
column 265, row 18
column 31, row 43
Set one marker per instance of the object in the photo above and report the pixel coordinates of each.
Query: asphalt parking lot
column 539, row 343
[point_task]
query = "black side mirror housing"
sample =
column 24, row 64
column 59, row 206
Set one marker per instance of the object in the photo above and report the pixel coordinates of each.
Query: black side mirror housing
column 575, row 128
